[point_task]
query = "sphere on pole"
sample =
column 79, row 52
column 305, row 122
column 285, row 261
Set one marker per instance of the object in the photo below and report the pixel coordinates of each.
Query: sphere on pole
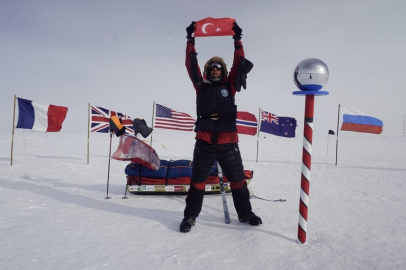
column 309, row 76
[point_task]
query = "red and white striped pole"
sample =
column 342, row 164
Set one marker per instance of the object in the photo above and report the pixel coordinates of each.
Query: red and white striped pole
column 306, row 167
column 310, row 76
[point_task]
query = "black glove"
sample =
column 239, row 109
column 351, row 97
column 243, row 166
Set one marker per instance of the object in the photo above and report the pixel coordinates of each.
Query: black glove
column 190, row 30
column 116, row 126
column 140, row 126
column 244, row 68
column 238, row 32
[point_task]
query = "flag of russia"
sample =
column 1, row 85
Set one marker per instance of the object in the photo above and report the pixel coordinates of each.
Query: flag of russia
column 358, row 121
column 38, row 117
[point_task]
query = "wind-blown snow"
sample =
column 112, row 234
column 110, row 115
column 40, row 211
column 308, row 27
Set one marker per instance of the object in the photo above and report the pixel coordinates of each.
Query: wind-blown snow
column 54, row 215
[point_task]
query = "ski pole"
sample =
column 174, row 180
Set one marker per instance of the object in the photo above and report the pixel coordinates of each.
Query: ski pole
column 223, row 194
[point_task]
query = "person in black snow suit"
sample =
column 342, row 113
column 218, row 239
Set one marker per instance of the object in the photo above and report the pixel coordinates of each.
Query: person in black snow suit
column 216, row 131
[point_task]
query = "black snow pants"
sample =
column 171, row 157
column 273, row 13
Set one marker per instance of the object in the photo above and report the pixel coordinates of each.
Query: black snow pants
column 229, row 158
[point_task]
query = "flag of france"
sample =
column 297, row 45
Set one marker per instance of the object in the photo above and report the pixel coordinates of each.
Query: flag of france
column 38, row 117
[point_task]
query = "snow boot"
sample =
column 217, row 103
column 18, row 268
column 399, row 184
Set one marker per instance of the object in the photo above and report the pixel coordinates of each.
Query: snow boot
column 187, row 223
column 251, row 218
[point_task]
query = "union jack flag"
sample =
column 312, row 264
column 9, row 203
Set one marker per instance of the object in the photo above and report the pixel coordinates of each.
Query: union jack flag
column 269, row 117
column 101, row 120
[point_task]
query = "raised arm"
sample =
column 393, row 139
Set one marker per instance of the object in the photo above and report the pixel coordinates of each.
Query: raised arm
column 191, row 63
column 238, row 51
column 241, row 66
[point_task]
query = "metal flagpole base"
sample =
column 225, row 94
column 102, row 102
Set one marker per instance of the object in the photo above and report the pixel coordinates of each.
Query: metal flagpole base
column 125, row 194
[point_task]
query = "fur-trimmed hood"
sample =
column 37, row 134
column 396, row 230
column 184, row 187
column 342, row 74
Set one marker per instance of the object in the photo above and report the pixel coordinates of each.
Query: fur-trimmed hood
column 218, row 59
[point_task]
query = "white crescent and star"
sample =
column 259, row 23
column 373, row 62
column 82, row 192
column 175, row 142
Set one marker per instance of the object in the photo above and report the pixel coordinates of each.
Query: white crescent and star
column 204, row 27
column 207, row 24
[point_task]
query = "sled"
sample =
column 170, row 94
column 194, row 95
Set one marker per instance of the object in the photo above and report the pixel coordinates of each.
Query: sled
column 173, row 177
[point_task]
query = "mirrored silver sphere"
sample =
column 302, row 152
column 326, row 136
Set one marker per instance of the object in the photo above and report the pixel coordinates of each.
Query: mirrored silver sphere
column 311, row 74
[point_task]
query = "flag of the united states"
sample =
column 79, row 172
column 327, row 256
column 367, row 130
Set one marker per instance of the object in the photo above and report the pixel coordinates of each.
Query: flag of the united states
column 170, row 119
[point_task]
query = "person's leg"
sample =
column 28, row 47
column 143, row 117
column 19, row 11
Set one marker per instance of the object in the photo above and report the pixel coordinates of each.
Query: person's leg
column 230, row 161
column 203, row 159
column 229, row 157
column 194, row 200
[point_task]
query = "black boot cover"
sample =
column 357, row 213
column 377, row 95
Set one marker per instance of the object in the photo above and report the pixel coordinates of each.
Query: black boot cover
column 241, row 199
column 194, row 201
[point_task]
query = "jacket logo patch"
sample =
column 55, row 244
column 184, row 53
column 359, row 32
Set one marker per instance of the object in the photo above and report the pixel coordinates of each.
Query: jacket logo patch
column 224, row 92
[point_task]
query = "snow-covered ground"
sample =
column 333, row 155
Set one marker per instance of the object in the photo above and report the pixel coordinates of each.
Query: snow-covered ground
column 54, row 215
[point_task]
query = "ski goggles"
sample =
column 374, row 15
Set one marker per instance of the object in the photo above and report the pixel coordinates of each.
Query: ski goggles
column 214, row 64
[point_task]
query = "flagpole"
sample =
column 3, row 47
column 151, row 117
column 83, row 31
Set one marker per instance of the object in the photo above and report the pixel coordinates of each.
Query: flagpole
column 152, row 124
column 259, row 128
column 88, row 131
column 328, row 137
column 338, row 121
column 108, row 173
column 12, row 136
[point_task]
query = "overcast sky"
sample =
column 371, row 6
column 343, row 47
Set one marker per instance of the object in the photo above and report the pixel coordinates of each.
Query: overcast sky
column 124, row 55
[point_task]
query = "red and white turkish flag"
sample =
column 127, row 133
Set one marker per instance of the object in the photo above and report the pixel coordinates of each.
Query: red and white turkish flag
column 214, row 27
